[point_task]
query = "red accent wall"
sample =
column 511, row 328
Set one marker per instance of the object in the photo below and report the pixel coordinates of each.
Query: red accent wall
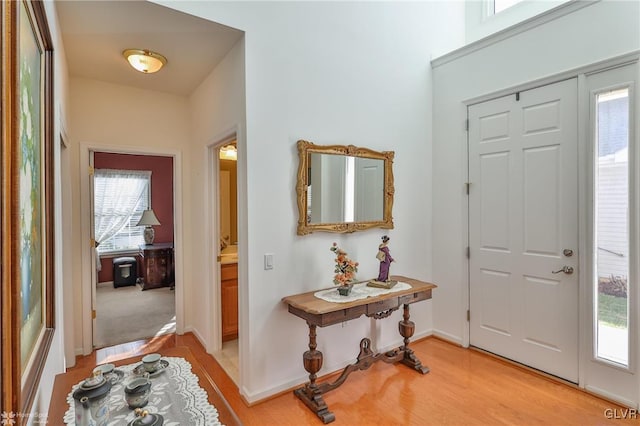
column 161, row 193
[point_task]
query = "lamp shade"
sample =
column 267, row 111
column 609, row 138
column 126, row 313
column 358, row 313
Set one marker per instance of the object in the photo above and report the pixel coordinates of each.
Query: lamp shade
column 145, row 61
column 148, row 219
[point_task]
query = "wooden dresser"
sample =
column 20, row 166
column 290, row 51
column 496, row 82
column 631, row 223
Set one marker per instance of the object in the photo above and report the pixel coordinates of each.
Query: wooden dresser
column 229, row 300
column 157, row 265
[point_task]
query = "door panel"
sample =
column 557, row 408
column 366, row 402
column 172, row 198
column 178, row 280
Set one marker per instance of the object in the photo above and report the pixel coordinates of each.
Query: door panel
column 369, row 182
column 522, row 214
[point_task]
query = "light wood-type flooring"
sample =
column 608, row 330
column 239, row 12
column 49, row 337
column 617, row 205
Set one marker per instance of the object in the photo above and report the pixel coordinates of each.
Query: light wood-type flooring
column 464, row 387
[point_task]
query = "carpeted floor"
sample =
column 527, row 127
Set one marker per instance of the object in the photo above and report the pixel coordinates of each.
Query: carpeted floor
column 126, row 314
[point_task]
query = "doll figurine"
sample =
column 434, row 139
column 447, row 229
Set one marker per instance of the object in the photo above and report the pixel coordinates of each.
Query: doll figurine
column 384, row 256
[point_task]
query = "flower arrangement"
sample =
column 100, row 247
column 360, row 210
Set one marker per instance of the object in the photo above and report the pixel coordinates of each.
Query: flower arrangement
column 345, row 268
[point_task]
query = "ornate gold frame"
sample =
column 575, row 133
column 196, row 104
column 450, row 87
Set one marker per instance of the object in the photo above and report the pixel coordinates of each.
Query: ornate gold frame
column 304, row 149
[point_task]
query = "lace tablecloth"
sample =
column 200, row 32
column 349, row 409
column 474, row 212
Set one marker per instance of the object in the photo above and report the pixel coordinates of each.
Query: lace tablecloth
column 359, row 291
column 175, row 394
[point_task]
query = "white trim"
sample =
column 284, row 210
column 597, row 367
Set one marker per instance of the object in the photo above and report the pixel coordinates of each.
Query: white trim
column 633, row 206
column 585, row 239
column 450, row 338
column 214, row 343
column 64, row 137
column 253, row 398
column 585, row 219
column 86, row 256
column 594, row 68
column 196, row 332
column 520, row 27
column 465, row 292
column 596, row 390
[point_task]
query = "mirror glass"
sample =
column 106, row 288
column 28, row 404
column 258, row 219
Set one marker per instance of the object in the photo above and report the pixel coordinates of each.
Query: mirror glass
column 343, row 188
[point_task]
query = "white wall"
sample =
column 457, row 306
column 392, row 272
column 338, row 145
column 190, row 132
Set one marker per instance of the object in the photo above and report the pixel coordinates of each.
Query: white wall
column 480, row 24
column 128, row 119
column 349, row 73
column 217, row 111
column 594, row 33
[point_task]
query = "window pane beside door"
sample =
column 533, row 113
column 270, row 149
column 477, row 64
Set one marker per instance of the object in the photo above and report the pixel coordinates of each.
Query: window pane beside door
column 612, row 226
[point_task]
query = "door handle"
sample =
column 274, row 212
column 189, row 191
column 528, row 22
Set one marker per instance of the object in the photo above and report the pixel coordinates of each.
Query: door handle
column 566, row 269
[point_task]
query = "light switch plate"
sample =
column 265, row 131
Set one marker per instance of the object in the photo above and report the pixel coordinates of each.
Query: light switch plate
column 268, row 261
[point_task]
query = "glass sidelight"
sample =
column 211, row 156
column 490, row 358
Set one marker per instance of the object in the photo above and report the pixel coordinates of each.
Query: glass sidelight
column 611, row 236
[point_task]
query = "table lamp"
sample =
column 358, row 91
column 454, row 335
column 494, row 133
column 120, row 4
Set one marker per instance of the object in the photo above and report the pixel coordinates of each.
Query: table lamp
column 148, row 219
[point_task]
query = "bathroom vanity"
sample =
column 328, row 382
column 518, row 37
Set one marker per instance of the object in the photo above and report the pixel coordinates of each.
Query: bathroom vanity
column 229, row 299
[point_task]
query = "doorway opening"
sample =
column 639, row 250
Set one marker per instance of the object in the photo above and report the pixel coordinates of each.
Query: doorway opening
column 225, row 195
column 133, row 290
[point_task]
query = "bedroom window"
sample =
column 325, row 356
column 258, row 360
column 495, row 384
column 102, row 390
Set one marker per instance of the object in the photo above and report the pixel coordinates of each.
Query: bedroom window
column 120, row 197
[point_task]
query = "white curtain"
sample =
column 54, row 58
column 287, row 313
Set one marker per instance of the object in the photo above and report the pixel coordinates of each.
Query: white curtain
column 117, row 196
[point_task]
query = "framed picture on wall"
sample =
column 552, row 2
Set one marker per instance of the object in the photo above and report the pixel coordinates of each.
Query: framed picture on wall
column 27, row 203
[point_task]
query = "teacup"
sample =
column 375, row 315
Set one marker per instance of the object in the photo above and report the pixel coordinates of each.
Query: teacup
column 105, row 369
column 151, row 362
column 136, row 392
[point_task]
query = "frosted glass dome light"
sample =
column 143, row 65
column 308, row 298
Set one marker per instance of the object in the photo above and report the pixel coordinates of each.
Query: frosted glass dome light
column 145, row 61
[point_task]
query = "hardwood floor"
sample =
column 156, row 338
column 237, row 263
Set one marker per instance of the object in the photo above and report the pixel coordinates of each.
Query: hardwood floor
column 464, row 387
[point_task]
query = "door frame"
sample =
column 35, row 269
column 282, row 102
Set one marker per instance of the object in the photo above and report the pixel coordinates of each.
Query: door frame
column 88, row 255
column 585, row 299
column 214, row 341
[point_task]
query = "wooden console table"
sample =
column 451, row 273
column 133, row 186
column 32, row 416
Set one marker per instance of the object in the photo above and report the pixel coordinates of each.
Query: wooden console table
column 318, row 312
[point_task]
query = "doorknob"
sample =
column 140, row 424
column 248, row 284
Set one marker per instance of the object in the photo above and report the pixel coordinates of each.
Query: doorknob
column 566, row 269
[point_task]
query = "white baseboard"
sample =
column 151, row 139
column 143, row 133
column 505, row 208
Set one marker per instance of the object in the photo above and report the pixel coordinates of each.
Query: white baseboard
column 448, row 337
column 196, row 333
column 79, row 351
column 611, row 396
column 326, row 370
column 301, row 379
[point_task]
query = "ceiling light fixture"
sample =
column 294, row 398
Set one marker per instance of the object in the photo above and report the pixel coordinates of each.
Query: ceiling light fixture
column 144, row 60
column 229, row 152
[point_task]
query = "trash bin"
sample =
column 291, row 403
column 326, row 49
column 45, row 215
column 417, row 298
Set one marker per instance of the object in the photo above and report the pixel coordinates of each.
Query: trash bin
column 124, row 271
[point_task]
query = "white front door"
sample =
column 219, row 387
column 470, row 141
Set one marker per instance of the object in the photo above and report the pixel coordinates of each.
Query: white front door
column 523, row 228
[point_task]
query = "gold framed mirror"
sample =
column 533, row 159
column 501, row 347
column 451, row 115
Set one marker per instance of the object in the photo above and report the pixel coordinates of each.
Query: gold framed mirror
column 343, row 188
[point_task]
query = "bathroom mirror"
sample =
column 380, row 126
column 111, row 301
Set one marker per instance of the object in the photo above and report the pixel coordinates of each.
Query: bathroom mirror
column 343, row 188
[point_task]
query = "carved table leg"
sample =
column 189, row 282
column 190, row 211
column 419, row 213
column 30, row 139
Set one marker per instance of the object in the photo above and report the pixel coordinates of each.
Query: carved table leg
column 310, row 393
column 407, row 329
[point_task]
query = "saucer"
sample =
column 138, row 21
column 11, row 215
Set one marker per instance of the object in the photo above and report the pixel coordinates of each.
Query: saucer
column 162, row 365
column 93, row 382
column 115, row 376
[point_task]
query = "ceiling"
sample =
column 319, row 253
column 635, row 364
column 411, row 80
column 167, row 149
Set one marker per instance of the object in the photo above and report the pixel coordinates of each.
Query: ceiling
column 95, row 33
